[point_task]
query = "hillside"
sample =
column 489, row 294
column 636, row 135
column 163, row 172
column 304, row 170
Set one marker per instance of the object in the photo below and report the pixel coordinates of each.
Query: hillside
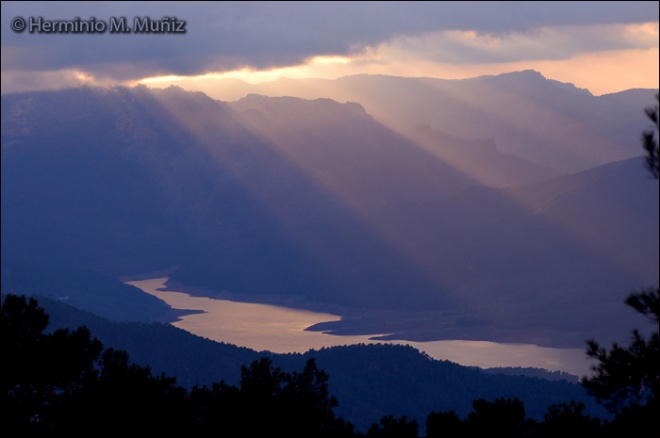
column 550, row 123
column 318, row 200
column 370, row 381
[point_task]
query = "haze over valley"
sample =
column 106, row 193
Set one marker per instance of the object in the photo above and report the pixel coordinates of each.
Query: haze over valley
column 419, row 234
column 441, row 213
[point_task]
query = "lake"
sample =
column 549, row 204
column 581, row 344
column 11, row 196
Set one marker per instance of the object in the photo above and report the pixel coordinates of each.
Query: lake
column 282, row 330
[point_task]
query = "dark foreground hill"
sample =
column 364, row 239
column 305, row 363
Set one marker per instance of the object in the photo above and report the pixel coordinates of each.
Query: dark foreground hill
column 370, row 381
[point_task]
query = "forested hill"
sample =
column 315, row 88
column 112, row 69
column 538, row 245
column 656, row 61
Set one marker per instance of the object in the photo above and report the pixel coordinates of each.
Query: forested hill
column 370, row 381
column 65, row 382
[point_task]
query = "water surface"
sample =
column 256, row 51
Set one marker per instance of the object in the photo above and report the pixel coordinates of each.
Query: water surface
column 282, row 330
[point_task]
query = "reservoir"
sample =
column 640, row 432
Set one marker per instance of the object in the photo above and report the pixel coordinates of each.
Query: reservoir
column 282, row 330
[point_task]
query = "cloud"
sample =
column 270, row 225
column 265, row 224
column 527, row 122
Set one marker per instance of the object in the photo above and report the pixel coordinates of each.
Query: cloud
column 227, row 36
column 547, row 43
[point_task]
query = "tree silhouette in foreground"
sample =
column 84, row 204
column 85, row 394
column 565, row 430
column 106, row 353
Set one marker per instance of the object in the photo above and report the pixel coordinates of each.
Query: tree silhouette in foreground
column 501, row 417
column 650, row 140
column 41, row 372
column 445, row 424
column 568, row 419
column 627, row 379
column 390, row 427
column 287, row 404
column 59, row 384
column 506, row 418
column 65, row 384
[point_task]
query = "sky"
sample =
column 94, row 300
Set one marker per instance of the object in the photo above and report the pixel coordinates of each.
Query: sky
column 602, row 46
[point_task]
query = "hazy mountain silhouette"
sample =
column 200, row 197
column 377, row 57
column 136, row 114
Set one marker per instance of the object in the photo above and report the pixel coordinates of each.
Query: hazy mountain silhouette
column 561, row 253
column 480, row 159
column 93, row 291
column 283, row 196
column 553, row 124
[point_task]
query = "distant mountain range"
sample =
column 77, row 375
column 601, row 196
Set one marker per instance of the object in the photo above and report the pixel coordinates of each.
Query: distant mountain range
column 553, row 124
column 459, row 232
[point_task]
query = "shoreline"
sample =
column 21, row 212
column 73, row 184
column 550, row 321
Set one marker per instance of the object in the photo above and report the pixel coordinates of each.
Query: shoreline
column 380, row 325
column 282, row 329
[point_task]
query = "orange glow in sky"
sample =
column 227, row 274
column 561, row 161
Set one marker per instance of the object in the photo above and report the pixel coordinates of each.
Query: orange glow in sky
column 601, row 72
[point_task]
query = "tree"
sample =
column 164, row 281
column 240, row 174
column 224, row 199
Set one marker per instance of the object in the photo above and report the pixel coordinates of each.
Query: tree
column 501, row 417
column 270, row 402
column 650, row 140
column 290, row 404
column 391, row 427
column 59, row 383
column 444, row 424
column 627, row 379
column 311, row 404
column 42, row 374
column 568, row 419
column 64, row 384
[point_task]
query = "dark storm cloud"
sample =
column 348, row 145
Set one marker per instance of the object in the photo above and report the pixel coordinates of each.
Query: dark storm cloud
column 228, row 35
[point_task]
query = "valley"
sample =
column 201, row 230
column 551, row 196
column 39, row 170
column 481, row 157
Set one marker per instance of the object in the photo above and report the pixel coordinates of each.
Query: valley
column 285, row 330
column 317, row 201
column 360, row 219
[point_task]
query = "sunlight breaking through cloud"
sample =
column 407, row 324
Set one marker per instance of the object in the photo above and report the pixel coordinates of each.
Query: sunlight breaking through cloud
column 601, row 58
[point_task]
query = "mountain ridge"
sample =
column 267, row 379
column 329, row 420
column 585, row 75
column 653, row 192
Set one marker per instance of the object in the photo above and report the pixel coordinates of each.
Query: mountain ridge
column 556, row 114
column 270, row 199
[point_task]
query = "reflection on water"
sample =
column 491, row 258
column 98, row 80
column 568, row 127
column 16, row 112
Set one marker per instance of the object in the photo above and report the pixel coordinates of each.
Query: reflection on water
column 282, row 330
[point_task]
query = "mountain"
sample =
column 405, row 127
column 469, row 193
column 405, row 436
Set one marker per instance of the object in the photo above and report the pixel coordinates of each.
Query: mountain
column 113, row 182
column 480, row 159
column 320, row 201
column 550, row 123
column 91, row 290
column 560, row 255
column 534, row 372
